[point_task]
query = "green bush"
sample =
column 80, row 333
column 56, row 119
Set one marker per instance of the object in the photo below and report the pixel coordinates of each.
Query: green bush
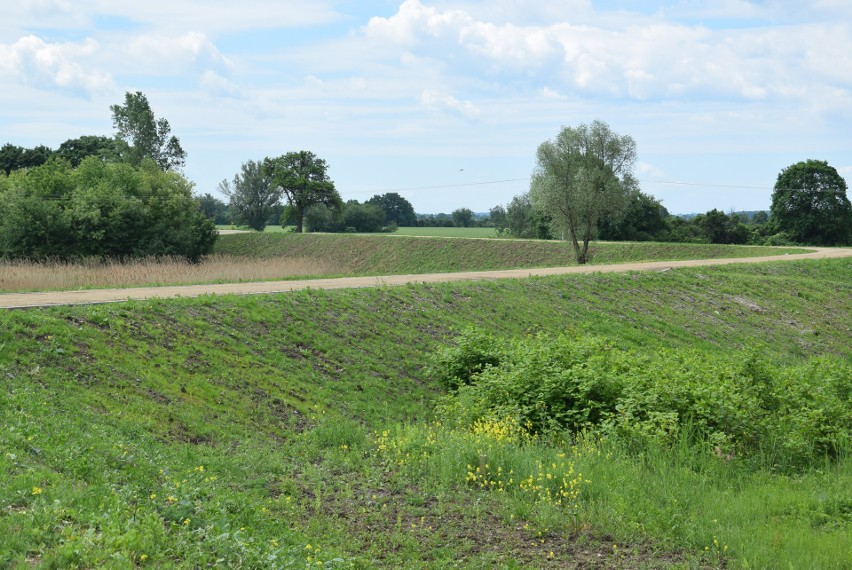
column 100, row 209
column 740, row 405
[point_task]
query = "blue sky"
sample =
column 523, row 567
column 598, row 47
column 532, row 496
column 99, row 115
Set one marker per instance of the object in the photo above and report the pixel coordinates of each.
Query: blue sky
column 446, row 102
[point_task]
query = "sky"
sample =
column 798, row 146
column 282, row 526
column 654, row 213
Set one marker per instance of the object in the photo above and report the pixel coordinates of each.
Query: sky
column 446, row 102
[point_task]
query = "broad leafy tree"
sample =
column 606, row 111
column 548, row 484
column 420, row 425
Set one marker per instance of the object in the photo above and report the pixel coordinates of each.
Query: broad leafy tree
column 147, row 136
column 523, row 221
column 397, row 209
column 100, row 209
column 105, row 148
column 463, row 218
column 583, row 175
column 810, row 205
column 644, row 219
column 214, row 209
column 13, row 157
column 303, row 178
column 252, row 195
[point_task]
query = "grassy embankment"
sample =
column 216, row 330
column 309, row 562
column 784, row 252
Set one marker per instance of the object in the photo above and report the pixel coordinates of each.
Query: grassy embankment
column 275, row 256
column 298, row 429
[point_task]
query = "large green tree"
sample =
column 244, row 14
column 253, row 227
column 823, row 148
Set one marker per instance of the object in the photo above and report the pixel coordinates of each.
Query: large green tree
column 582, row 176
column 303, row 179
column 252, row 195
column 105, row 148
column 13, row 157
column 147, row 136
column 100, row 209
column 397, row 209
column 645, row 219
column 810, row 205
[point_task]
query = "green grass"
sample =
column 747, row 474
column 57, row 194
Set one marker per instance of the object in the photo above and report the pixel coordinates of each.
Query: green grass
column 384, row 254
column 448, row 232
column 108, row 413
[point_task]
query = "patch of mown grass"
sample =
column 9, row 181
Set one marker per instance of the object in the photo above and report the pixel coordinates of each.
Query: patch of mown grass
column 108, row 411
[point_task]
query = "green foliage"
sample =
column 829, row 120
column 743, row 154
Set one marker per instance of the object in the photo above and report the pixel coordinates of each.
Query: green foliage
column 252, row 195
column 14, row 157
column 471, row 353
column 523, row 221
column 146, row 136
column 463, row 218
column 214, row 209
column 311, row 415
column 101, row 209
column 397, row 209
column 786, row 416
column 644, row 219
column 810, row 205
column 582, row 176
column 303, row 179
column 105, row 148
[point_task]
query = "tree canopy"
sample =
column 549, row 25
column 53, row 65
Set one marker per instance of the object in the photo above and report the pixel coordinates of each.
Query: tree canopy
column 582, row 176
column 397, row 209
column 303, row 179
column 147, row 136
column 252, row 195
column 100, row 209
column 810, row 205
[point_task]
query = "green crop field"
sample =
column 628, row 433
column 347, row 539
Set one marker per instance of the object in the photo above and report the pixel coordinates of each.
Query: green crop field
column 359, row 429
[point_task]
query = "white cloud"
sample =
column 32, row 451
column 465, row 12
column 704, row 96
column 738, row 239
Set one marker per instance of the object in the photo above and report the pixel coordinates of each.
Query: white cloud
column 54, row 65
column 171, row 54
column 636, row 58
column 435, row 101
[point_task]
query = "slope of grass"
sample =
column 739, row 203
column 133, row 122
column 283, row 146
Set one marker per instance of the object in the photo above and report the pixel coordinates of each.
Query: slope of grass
column 282, row 429
column 385, row 254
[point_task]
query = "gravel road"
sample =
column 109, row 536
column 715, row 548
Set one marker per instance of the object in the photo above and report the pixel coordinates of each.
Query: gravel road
column 94, row 296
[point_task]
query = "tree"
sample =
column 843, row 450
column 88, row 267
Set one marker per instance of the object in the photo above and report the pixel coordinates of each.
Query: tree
column 147, row 136
column 397, row 209
column 810, row 205
column 13, row 157
column 582, row 176
column 644, row 219
column 463, row 218
column 214, row 209
column 105, row 148
column 303, row 178
column 101, row 209
column 523, row 221
column 252, row 195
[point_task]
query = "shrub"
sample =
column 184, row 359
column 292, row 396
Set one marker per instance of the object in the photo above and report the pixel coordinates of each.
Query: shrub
column 741, row 404
column 101, row 209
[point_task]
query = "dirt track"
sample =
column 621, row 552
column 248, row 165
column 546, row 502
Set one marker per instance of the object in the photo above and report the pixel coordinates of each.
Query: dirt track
column 94, row 296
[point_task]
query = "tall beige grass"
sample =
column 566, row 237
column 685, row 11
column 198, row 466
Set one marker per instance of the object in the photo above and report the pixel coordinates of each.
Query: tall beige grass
column 58, row 275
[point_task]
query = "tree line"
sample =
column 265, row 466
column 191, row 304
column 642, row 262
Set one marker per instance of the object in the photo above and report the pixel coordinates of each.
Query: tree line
column 583, row 188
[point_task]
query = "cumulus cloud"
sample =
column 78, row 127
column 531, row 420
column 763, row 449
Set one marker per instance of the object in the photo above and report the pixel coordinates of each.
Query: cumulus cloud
column 54, row 65
column 173, row 54
column 435, row 101
column 642, row 57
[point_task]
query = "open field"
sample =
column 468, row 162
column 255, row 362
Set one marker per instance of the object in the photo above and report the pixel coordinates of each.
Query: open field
column 300, row 429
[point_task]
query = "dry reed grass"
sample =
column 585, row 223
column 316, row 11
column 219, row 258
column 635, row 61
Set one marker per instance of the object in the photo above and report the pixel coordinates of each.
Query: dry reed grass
column 95, row 273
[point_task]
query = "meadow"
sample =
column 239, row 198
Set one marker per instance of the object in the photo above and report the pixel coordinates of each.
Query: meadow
column 692, row 418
